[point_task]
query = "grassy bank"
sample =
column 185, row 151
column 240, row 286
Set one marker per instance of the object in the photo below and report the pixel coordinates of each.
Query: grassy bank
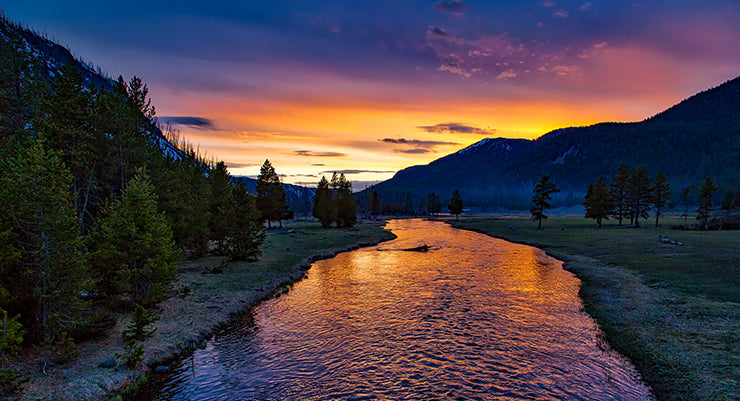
column 202, row 301
column 673, row 310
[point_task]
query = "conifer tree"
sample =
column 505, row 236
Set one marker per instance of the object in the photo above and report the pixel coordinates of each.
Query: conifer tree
column 323, row 203
column 541, row 199
column 433, row 204
column 619, row 192
column 375, row 204
column 598, row 202
column 661, row 195
column 271, row 199
column 246, row 234
column 220, row 183
column 456, row 204
column 46, row 259
column 705, row 201
column 344, row 202
column 133, row 250
column 638, row 194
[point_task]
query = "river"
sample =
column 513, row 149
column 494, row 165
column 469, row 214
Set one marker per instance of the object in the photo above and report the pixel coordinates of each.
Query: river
column 473, row 318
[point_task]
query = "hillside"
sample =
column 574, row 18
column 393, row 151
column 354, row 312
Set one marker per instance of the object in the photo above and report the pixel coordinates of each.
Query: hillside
column 696, row 138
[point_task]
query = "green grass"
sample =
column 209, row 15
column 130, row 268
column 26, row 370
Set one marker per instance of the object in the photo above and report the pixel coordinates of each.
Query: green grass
column 673, row 310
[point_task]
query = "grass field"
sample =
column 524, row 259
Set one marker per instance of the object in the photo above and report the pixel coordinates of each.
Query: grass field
column 673, row 310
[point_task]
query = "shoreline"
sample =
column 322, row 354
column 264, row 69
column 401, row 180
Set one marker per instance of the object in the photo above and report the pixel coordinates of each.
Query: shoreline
column 203, row 304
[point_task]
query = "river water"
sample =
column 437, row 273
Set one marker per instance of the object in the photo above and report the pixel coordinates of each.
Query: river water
column 474, row 318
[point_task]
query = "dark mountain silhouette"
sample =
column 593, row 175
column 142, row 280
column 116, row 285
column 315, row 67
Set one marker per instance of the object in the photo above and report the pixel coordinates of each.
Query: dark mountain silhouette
column 696, row 138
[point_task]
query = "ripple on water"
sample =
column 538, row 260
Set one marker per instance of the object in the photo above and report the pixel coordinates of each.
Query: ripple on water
column 475, row 318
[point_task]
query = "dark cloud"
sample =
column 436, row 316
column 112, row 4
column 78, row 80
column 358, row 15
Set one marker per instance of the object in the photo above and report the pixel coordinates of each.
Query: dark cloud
column 454, row 6
column 191, row 121
column 435, row 30
column 240, row 165
column 347, row 172
column 318, row 154
column 456, row 128
column 416, row 142
column 318, row 164
column 414, row 151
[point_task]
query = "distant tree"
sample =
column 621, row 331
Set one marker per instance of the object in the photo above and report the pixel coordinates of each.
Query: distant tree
column 685, row 192
column 375, row 204
column 434, row 205
column 456, row 204
column 133, row 251
column 541, row 199
column 638, row 194
column 220, row 183
column 323, row 203
column 246, row 233
column 344, row 201
column 705, row 201
column 271, row 199
column 619, row 192
column 43, row 262
column 661, row 194
column 598, row 202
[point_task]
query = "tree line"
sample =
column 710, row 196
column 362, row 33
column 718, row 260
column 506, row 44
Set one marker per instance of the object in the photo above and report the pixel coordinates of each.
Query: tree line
column 95, row 210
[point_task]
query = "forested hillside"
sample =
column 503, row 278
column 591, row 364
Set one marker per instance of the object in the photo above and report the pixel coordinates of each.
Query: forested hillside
column 695, row 139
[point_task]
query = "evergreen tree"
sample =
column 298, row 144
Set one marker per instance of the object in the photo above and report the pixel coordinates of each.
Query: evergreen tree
column 456, row 204
column 638, row 194
column 220, row 183
column 685, row 192
column 434, row 205
column 45, row 268
column 346, row 209
column 619, row 192
column 375, row 204
column 661, row 194
column 598, row 202
column 271, row 200
column 323, row 203
column 246, row 234
column 133, row 250
column 541, row 199
column 705, row 201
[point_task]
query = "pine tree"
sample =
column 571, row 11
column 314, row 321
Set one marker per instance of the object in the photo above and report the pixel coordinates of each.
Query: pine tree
column 598, row 202
column 541, row 199
column 619, row 192
column 433, row 204
column 661, row 194
column 346, row 209
column 638, row 194
column 133, row 250
column 375, row 204
column 220, row 183
column 271, row 198
column 246, row 234
column 323, row 203
column 47, row 262
column 705, row 201
column 456, row 204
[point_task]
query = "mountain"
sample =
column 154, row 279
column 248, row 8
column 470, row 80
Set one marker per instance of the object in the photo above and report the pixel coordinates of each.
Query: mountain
column 696, row 138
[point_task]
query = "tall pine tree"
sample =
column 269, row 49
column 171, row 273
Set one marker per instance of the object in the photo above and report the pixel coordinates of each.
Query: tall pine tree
column 661, row 195
column 271, row 199
column 541, row 199
column 456, row 204
column 705, row 201
column 598, row 202
column 638, row 194
column 323, row 203
column 619, row 192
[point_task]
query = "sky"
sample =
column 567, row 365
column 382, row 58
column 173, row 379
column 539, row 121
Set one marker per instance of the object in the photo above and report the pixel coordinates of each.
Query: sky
column 371, row 87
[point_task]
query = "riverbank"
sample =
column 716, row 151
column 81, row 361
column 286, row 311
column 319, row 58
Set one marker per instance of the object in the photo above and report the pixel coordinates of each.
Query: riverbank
column 671, row 309
column 203, row 301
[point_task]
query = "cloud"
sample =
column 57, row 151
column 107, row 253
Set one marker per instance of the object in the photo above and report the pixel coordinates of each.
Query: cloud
column 416, row 142
column 435, row 30
column 586, row 6
column 191, row 121
column 548, row 4
column 455, row 128
column 348, row 172
column 560, row 13
column 318, row 154
column 240, row 165
column 507, row 74
column 414, row 151
column 454, row 6
column 318, row 164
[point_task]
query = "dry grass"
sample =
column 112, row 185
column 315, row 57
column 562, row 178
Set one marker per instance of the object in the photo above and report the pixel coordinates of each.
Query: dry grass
column 673, row 310
column 201, row 303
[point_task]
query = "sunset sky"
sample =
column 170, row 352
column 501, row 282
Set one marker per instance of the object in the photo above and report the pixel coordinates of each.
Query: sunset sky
column 371, row 87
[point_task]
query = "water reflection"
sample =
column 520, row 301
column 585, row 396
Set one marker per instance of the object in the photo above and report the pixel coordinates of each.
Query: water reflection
column 473, row 318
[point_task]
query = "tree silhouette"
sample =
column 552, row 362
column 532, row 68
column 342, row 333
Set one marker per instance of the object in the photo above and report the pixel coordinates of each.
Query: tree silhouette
column 619, row 192
column 661, row 194
column 375, row 204
column 598, row 202
column 638, row 194
column 541, row 199
column 705, row 201
column 271, row 200
column 433, row 204
column 456, row 204
column 323, row 208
